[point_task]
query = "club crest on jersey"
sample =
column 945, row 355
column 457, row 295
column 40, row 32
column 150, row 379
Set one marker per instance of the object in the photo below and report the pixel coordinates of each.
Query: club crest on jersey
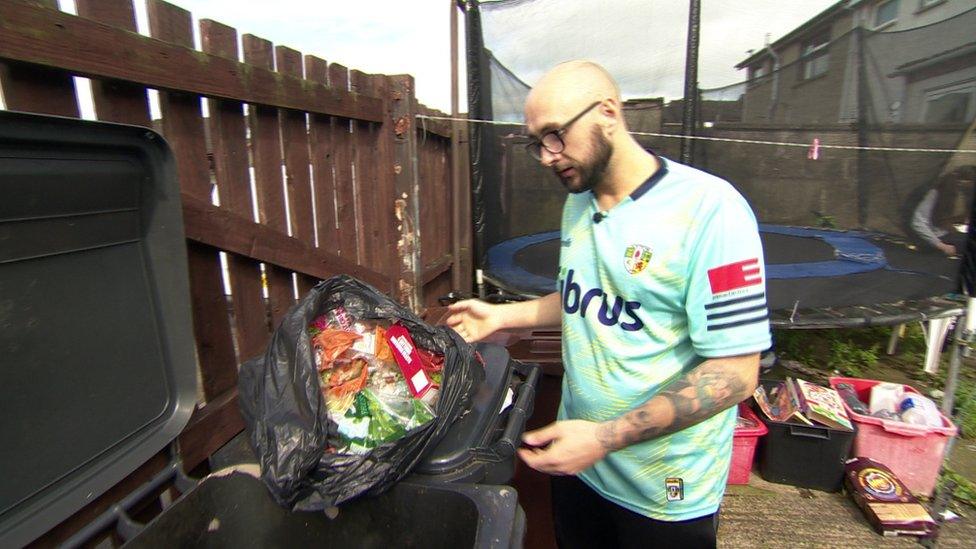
column 636, row 258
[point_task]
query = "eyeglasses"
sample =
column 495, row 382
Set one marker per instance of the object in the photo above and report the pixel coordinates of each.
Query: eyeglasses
column 552, row 140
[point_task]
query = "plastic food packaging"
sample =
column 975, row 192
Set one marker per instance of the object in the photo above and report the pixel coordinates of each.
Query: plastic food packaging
column 850, row 397
column 885, row 396
column 745, row 423
column 366, row 392
column 919, row 410
column 886, row 414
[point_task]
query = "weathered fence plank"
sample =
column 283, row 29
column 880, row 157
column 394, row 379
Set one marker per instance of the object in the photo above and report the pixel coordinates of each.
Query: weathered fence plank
column 229, row 135
column 183, row 128
column 116, row 101
column 342, row 146
column 435, row 198
column 320, row 150
column 386, row 173
column 294, row 132
column 210, row 428
column 206, row 223
column 409, row 285
column 266, row 154
column 37, row 89
column 50, row 38
column 368, row 195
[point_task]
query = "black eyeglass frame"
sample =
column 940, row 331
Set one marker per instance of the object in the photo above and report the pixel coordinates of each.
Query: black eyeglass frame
column 534, row 147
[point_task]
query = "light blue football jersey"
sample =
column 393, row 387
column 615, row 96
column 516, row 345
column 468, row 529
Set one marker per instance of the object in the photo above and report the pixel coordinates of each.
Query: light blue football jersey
column 669, row 277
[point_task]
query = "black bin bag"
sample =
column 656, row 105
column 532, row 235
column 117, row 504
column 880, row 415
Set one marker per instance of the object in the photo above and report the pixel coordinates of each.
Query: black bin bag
column 285, row 410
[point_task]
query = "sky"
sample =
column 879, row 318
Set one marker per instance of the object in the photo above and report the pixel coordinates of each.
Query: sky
column 641, row 42
column 413, row 36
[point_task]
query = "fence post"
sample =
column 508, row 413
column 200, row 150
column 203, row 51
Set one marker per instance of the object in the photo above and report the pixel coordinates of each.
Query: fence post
column 407, row 185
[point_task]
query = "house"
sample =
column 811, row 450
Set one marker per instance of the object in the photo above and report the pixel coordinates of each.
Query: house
column 870, row 61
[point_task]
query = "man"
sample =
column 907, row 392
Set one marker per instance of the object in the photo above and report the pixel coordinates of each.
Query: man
column 663, row 313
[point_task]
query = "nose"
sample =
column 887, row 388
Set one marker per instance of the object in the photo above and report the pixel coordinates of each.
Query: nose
column 548, row 158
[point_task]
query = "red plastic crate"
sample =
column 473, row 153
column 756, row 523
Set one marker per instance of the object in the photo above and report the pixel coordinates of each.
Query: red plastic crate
column 913, row 452
column 744, row 447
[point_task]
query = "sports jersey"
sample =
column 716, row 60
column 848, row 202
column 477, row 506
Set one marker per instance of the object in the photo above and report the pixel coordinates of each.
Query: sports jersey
column 670, row 276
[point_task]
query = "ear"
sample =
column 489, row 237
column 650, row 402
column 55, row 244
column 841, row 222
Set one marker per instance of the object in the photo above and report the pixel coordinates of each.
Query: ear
column 612, row 116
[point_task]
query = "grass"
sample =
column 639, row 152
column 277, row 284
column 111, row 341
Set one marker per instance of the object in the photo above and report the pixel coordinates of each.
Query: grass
column 965, row 491
column 847, row 352
column 964, row 404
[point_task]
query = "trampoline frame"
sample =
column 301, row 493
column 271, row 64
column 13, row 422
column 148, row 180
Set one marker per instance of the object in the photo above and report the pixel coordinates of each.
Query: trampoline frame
column 847, row 244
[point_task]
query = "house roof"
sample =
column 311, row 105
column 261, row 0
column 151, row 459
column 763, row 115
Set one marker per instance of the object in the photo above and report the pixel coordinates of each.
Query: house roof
column 826, row 15
column 934, row 59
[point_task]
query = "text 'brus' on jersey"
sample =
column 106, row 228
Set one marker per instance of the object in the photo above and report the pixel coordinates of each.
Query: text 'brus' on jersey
column 579, row 300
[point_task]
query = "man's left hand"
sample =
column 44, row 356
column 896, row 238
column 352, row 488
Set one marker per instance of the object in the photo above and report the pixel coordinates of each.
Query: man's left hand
column 563, row 447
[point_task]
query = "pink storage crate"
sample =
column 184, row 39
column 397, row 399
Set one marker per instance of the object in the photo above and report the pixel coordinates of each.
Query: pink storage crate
column 744, row 446
column 913, row 452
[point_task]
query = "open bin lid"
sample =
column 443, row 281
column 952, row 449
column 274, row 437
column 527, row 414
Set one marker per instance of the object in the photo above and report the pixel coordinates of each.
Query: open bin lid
column 470, row 433
column 98, row 369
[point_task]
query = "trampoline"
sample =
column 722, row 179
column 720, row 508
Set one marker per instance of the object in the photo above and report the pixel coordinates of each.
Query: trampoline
column 816, row 278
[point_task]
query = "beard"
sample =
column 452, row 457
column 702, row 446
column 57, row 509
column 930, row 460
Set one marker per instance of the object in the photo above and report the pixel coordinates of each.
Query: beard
column 592, row 173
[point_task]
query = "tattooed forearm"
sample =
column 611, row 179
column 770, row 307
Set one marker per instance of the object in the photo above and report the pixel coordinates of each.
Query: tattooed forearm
column 710, row 388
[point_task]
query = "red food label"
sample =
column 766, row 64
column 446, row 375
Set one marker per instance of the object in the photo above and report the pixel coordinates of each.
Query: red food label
column 408, row 359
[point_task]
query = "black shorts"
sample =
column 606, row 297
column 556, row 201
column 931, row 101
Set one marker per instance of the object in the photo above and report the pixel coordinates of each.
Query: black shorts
column 586, row 519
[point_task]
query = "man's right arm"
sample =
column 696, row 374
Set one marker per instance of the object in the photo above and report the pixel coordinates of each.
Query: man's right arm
column 475, row 320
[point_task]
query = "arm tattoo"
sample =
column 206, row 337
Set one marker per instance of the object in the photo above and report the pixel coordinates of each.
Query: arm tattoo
column 705, row 391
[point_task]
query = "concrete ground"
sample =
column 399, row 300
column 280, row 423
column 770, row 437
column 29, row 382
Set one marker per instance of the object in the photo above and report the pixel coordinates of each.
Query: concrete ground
column 763, row 514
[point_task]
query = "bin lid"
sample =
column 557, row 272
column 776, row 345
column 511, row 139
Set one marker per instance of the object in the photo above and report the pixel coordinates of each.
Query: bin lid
column 98, row 367
column 470, row 432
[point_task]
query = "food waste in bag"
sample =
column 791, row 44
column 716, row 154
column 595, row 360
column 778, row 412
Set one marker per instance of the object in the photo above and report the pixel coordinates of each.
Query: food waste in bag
column 377, row 383
column 351, row 392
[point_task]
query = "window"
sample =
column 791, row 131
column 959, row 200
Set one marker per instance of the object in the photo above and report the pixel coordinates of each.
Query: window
column 885, row 13
column 759, row 71
column 951, row 105
column 816, row 58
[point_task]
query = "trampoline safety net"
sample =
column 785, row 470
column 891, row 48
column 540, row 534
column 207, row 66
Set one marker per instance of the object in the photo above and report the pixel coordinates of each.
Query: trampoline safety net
column 850, row 133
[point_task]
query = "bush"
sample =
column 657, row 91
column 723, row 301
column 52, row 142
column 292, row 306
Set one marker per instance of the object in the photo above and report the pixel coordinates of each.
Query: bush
column 849, row 357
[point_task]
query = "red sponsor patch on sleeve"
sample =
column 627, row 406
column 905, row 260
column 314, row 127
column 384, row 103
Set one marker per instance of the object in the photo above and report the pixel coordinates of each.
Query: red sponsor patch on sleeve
column 733, row 276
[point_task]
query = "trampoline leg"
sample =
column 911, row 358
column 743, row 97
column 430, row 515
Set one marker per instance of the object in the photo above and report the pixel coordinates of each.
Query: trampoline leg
column 934, row 339
column 897, row 333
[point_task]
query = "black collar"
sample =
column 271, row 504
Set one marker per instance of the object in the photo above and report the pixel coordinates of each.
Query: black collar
column 658, row 175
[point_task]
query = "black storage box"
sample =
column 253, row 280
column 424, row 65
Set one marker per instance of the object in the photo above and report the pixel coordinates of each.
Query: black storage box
column 802, row 455
column 480, row 446
column 99, row 368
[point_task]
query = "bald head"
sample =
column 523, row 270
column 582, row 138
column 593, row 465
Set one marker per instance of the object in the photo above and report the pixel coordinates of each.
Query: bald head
column 589, row 78
column 571, row 86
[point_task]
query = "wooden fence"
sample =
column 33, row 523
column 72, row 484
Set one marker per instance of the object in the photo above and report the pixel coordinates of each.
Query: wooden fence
column 342, row 175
